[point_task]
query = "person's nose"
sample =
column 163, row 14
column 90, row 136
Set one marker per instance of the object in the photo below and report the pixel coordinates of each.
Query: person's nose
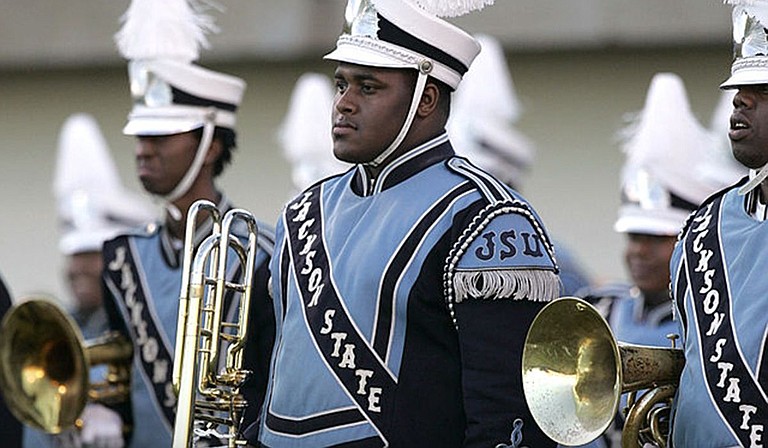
column 743, row 99
column 144, row 147
column 344, row 103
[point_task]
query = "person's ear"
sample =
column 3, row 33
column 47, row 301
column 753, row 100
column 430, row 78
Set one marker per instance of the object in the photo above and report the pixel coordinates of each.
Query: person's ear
column 429, row 100
column 214, row 151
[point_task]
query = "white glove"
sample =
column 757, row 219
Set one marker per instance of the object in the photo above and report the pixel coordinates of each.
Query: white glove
column 102, row 427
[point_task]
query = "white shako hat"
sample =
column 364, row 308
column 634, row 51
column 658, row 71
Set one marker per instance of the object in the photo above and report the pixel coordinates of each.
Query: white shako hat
column 171, row 95
column 408, row 34
column 750, row 43
column 750, row 58
column 92, row 204
column 305, row 133
column 484, row 110
column 662, row 181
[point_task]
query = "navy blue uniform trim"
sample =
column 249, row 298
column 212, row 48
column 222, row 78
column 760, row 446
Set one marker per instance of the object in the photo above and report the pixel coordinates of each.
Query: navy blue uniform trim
column 316, row 423
column 384, row 322
column 680, row 295
column 284, row 263
column 390, row 32
column 125, row 283
column 488, row 185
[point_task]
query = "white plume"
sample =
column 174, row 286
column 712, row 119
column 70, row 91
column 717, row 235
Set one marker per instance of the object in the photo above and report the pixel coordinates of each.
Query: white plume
column 452, row 8
column 173, row 29
column 756, row 8
column 92, row 203
column 668, row 140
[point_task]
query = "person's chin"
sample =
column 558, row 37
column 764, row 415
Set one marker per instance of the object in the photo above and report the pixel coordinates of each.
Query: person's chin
column 345, row 154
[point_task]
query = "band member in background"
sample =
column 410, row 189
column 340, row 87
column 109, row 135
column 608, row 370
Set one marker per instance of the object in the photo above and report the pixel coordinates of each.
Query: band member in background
column 403, row 288
column 718, row 270
column 184, row 119
column 92, row 206
column 484, row 111
column 669, row 170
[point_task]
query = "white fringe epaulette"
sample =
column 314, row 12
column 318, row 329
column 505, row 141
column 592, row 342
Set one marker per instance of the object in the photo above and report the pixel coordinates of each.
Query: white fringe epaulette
column 537, row 285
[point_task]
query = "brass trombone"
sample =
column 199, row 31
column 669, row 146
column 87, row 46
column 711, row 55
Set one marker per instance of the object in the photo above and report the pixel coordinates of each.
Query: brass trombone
column 207, row 394
column 574, row 373
column 44, row 366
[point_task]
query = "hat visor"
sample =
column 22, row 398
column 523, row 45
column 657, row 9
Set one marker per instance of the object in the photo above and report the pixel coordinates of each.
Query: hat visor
column 665, row 221
column 365, row 56
column 746, row 77
column 160, row 125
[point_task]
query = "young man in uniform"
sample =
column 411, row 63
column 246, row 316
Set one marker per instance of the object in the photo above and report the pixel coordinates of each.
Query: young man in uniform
column 403, row 288
column 718, row 271
column 668, row 171
column 184, row 120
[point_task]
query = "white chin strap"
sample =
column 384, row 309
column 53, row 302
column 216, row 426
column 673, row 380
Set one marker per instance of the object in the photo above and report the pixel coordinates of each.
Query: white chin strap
column 752, row 183
column 194, row 169
column 425, row 67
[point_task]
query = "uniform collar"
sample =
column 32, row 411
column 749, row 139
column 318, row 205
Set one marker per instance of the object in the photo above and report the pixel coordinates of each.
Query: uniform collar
column 653, row 316
column 403, row 167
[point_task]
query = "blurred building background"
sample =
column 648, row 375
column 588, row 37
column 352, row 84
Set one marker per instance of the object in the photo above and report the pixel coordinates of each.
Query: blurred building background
column 579, row 66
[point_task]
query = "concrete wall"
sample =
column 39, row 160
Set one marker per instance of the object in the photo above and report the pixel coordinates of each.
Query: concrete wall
column 574, row 104
column 79, row 32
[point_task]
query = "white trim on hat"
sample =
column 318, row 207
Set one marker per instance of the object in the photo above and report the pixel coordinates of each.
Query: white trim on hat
column 635, row 219
column 410, row 22
column 748, row 71
column 198, row 81
column 169, row 120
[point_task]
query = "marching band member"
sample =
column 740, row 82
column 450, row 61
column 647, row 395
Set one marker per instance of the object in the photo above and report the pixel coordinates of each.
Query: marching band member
column 668, row 171
column 718, row 270
column 403, row 288
column 183, row 118
column 92, row 207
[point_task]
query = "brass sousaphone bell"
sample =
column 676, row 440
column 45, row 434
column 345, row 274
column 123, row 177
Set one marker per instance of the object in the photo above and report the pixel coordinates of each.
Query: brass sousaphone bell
column 44, row 366
column 574, row 373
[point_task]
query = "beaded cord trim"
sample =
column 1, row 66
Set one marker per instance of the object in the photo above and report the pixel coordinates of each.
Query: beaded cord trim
column 380, row 47
column 749, row 62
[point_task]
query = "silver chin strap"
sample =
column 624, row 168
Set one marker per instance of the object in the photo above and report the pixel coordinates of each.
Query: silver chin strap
column 752, row 183
column 194, row 169
column 425, row 67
